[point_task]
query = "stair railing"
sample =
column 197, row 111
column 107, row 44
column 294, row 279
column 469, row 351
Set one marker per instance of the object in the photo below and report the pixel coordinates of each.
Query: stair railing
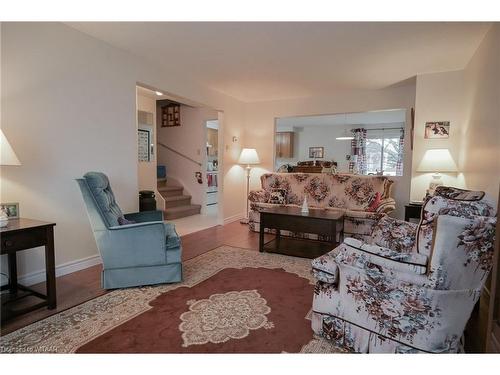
column 179, row 153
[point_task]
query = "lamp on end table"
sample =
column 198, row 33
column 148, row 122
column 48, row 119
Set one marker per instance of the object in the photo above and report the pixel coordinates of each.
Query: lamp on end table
column 437, row 160
column 248, row 157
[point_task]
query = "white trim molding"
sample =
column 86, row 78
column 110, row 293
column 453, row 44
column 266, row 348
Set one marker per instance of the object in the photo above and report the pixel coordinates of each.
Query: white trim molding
column 62, row 269
column 233, row 218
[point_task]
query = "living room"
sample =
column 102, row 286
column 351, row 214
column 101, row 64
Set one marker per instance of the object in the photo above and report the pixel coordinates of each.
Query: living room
column 329, row 243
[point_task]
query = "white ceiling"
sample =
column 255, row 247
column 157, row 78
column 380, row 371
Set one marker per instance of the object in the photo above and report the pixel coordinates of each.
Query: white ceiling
column 361, row 118
column 277, row 60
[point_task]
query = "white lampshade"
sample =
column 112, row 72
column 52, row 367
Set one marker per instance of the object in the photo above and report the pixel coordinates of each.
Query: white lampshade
column 7, row 154
column 437, row 160
column 249, row 156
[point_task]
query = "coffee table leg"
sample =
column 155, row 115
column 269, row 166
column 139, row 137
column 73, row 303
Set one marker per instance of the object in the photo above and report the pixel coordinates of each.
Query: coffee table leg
column 261, row 236
column 50, row 269
column 334, row 233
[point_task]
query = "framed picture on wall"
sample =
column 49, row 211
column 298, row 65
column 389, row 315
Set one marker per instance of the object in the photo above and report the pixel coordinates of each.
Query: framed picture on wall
column 11, row 209
column 316, row 152
column 437, row 130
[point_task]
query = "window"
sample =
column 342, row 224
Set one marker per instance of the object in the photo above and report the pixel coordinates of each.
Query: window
column 384, row 151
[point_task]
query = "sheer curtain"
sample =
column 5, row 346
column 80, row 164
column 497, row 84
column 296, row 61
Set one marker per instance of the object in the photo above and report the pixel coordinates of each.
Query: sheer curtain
column 357, row 163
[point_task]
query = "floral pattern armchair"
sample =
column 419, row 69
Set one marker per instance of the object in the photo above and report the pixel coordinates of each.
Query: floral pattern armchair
column 363, row 199
column 412, row 288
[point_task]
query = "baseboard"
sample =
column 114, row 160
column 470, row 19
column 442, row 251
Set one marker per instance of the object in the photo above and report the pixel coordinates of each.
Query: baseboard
column 233, row 218
column 62, row 269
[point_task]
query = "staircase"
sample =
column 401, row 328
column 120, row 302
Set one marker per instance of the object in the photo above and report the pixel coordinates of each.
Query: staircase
column 177, row 204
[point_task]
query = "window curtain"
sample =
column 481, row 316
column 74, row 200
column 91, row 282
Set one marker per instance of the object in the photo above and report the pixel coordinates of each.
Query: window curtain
column 399, row 165
column 357, row 163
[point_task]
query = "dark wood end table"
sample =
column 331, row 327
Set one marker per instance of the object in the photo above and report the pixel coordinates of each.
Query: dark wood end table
column 413, row 211
column 22, row 234
column 317, row 221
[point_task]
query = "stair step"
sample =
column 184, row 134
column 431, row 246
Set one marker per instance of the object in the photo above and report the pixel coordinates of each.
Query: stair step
column 182, row 211
column 170, row 190
column 177, row 200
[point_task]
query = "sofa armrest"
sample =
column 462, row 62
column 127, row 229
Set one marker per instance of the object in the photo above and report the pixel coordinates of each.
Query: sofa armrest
column 131, row 245
column 144, row 216
column 386, row 206
column 258, row 196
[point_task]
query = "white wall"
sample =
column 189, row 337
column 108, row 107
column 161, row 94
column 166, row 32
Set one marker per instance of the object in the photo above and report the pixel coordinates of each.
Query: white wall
column 69, row 106
column 190, row 140
column 480, row 154
column 439, row 97
column 146, row 170
column 260, row 118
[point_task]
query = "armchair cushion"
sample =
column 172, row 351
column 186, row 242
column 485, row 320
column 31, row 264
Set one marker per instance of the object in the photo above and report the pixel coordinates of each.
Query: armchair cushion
column 395, row 234
column 144, row 216
column 100, row 189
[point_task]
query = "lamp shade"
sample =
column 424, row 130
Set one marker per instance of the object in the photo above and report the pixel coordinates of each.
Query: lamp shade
column 437, row 160
column 7, row 154
column 249, row 156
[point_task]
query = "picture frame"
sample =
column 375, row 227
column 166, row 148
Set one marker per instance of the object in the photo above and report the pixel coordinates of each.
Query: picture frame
column 316, row 152
column 11, row 209
column 437, row 130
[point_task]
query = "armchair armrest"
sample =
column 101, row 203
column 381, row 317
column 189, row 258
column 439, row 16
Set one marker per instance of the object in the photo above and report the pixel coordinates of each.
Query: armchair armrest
column 143, row 216
column 356, row 253
column 131, row 245
column 386, row 206
column 258, row 196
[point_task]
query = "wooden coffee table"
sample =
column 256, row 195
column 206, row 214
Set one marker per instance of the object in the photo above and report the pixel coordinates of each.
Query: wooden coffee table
column 322, row 222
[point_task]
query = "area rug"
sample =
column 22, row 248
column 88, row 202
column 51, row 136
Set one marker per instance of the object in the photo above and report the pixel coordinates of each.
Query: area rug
column 231, row 301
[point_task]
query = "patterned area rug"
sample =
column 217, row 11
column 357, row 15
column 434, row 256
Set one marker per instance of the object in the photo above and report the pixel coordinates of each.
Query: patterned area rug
column 231, row 301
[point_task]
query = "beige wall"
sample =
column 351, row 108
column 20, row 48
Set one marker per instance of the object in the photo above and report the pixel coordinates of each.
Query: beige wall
column 260, row 118
column 470, row 100
column 439, row 97
column 190, row 140
column 480, row 161
column 69, row 106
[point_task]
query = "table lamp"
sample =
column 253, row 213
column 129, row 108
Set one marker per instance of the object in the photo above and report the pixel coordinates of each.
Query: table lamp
column 437, row 161
column 7, row 157
column 249, row 157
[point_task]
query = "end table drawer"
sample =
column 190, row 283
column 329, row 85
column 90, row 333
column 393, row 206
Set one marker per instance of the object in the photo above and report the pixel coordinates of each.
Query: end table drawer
column 19, row 241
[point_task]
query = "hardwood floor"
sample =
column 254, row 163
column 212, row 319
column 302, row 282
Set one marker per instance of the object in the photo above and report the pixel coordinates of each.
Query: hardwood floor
column 81, row 286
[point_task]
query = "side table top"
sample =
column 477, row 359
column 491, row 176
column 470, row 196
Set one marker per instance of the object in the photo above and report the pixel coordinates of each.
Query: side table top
column 22, row 224
column 317, row 213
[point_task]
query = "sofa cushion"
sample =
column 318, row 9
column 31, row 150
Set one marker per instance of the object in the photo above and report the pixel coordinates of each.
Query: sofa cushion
column 100, row 189
column 278, row 196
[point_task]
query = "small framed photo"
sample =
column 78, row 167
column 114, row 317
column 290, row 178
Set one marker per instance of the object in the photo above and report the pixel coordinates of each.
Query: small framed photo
column 316, row 152
column 437, row 130
column 11, row 209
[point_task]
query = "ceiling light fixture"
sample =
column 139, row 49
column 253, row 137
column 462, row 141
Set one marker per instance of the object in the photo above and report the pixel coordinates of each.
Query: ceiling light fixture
column 346, row 135
column 159, row 93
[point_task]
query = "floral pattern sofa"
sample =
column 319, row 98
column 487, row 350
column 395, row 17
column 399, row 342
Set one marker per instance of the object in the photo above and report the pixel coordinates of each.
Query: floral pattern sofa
column 413, row 288
column 363, row 199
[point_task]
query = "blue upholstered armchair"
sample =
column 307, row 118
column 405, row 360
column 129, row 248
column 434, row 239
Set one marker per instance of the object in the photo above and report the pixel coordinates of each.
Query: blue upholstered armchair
column 144, row 252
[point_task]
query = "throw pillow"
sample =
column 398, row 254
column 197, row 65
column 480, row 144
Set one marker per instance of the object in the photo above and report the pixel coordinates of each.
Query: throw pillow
column 123, row 221
column 374, row 203
column 277, row 196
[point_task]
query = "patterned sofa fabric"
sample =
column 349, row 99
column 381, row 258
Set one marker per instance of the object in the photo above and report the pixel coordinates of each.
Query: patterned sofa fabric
column 407, row 301
column 352, row 194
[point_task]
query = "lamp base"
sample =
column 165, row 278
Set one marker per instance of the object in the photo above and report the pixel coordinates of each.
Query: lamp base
column 435, row 182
